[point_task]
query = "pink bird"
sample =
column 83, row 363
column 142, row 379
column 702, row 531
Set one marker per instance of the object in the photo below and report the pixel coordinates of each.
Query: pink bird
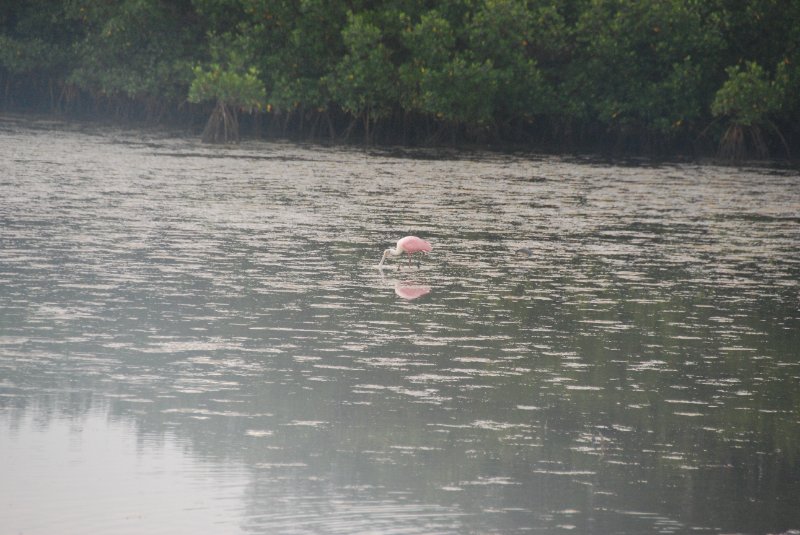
column 408, row 245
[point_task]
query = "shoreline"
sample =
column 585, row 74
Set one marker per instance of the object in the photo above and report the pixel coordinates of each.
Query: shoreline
column 171, row 129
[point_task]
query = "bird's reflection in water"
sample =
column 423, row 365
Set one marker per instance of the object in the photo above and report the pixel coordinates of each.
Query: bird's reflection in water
column 407, row 289
column 410, row 290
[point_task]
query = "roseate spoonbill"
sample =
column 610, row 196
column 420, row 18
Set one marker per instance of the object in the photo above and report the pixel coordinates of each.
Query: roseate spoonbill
column 408, row 245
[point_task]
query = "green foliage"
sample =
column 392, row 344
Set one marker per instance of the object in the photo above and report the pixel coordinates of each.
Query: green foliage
column 748, row 97
column 787, row 78
column 462, row 91
column 364, row 82
column 484, row 73
column 430, row 44
column 34, row 38
column 301, row 63
column 645, row 63
column 232, row 81
column 501, row 32
column 443, row 82
column 228, row 78
column 243, row 90
column 135, row 48
column 431, row 41
column 594, row 70
column 30, row 55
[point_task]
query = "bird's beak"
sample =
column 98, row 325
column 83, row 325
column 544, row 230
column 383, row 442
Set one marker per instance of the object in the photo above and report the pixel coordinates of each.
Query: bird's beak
column 382, row 259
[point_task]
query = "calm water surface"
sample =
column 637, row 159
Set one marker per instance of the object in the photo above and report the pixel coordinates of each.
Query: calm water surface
column 196, row 340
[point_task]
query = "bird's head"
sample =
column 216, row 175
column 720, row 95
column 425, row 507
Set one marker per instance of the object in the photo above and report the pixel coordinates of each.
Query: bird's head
column 386, row 254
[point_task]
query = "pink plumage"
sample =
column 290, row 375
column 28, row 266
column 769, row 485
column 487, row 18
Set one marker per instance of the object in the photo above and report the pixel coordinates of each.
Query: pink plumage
column 412, row 244
column 408, row 245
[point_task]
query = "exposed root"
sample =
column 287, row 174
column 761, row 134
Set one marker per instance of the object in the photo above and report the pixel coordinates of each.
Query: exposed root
column 734, row 144
column 222, row 126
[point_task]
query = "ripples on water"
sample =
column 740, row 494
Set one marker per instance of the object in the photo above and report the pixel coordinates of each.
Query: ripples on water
column 205, row 327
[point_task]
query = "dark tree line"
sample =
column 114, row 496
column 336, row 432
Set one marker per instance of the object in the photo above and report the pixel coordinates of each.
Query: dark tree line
column 628, row 75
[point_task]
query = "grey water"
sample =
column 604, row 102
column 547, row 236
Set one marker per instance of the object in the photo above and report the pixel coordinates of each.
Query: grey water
column 196, row 340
